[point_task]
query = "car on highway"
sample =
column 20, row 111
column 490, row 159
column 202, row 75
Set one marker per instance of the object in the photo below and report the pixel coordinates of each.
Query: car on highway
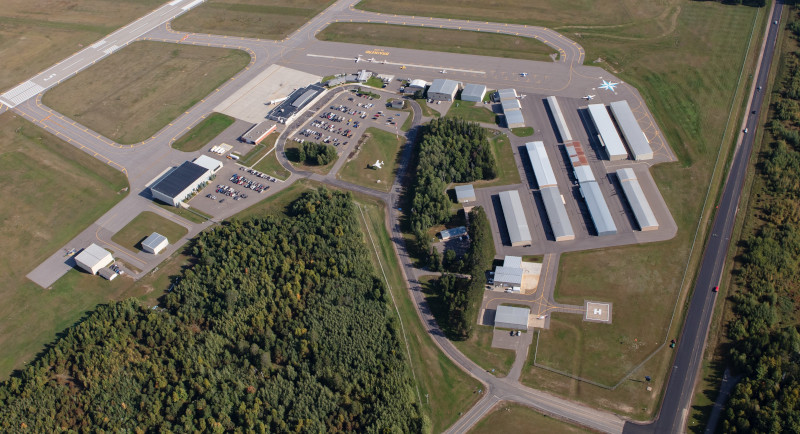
column 715, row 289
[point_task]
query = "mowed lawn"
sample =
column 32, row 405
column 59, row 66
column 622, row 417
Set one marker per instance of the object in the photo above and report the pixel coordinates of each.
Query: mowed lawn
column 131, row 95
column 263, row 19
column 507, row 418
column 507, row 172
column 52, row 191
column 36, row 34
column 272, row 167
column 203, row 132
column 381, row 145
column 479, row 349
column 470, row 111
column 144, row 224
column 432, row 39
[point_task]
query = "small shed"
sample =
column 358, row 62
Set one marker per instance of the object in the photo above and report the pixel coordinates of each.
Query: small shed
column 453, row 233
column 510, row 317
column 93, row 258
column 155, row 243
column 465, row 193
column 107, row 273
column 397, row 104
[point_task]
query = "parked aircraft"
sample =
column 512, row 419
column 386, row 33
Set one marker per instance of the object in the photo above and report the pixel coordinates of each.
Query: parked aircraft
column 588, row 97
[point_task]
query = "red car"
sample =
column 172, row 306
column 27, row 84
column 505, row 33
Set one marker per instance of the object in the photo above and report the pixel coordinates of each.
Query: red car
column 716, row 289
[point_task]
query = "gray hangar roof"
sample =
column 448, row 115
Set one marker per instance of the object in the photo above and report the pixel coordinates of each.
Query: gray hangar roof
column 636, row 198
column 563, row 131
column 516, row 223
column 510, row 104
column 179, row 179
column 473, row 92
column 514, row 118
column 512, row 317
column 304, row 98
column 598, row 208
column 443, row 85
column 508, row 275
column 507, row 94
column 153, row 240
column 608, row 132
column 557, row 214
column 542, row 169
column 637, row 141
column 512, row 261
column 465, row 193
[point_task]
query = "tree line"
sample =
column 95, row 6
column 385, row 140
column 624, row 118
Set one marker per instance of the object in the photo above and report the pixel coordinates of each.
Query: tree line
column 765, row 341
column 315, row 154
column 282, row 325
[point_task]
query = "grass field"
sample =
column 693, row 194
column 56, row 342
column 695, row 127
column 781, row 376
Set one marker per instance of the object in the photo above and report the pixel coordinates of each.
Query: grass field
column 522, row 131
column 381, row 145
column 263, row 19
column 271, row 166
column 130, row 96
column 53, row 192
column 507, row 172
column 449, row 390
column 259, row 150
column 203, row 132
column 35, row 34
column 192, row 215
column 432, row 39
column 469, row 111
column 507, row 418
column 427, row 111
column 479, row 349
column 145, row 224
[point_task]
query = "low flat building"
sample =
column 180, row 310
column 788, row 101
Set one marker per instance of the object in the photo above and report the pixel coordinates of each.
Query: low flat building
column 607, row 132
column 107, row 273
column 510, row 317
column 510, row 104
column 415, row 85
column 93, row 258
column 397, row 104
column 465, row 193
column 637, row 200
column 518, row 232
column 558, row 117
column 155, row 243
column 507, row 276
column 473, row 92
column 512, row 261
column 557, row 214
column 598, row 208
column 259, row 132
column 179, row 183
column 514, row 119
column 540, row 162
column 443, row 89
column 632, row 131
column 504, row 94
column 453, row 233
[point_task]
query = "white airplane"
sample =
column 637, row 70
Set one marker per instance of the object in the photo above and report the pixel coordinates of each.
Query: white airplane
column 588, row 97
column 378, row 164
column 371, row 59
column 524, row 74
column 358, row 59
column 444, row 71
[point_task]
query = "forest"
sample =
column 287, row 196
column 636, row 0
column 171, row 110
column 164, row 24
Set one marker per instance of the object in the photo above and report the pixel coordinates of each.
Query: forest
column 282, row 325
column 765, row 346
column 450, row 150
column 315, row 154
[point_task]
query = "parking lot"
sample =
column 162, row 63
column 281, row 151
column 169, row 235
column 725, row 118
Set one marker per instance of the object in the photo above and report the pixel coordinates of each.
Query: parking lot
column 234, row 189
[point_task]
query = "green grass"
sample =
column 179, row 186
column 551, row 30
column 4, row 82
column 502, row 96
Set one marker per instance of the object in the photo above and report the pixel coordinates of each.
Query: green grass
column 131, row 95
column 380, row 145
column 264, row 19
column 533, row 258
column 193, row 215
column 479, row 349
column 271, row 166
column 449, row 390
column 507, row 418
column 433, row 39
column 291, row 150
column 507, row 173
column 427, row 111
column 54, row 191
column 374, row 82
column 203, row 132
column 258, row 151
column 488, row 96
column 145, row 224
column 522, row 131
column 469, row 111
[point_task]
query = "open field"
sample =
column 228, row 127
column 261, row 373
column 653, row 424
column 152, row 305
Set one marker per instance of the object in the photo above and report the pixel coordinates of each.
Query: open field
column 203, row 132
column 263, row 19
column 37, row 34
column 380, row 145
column 470, row 111
column 271, row 166
column 479, row 349
column 133, row 94
column 449, row 390
column 259, row 150
column 431, row 39
column 145, row 224
column 506, row 418
column 53, row 192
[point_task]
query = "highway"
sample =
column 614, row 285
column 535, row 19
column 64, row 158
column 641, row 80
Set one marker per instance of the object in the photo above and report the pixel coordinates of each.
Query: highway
column 678, row 396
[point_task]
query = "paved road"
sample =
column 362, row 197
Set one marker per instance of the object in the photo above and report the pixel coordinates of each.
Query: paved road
column 688, row 358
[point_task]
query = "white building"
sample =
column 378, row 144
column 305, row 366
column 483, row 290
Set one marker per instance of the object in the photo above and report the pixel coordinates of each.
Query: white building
column 155, row 243
column 93, row 258
column 415, row 85
column 181, row 182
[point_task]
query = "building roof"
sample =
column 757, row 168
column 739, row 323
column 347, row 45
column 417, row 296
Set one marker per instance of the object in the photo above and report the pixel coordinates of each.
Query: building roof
column 417, row 83
column 510, row 104
column 607, row 130
column 454, row 232
column 542, row 169
column 514, row 117
column 364, row 75
column 336, row 81
column 517, row 316
column 465, row 192
column 583, row 173
column 558, row 117
column 507, row 94
column 515, row 217
column 92, row 255
column 557, row 214
column 304, row 98
column 598, row 209
column 154, row 240
column 637, row 200
column 386, row 77
column 473, row 91
column 637, row 141
column 443, row 85
column 179, row 179
column 512, row 262
column 257, row 131
column 508, row 275
column 208, row 162
column 576, row 155
column 107, row 273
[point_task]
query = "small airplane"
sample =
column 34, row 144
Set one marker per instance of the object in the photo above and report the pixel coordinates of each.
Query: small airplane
column 403, row 67
column 444, row 71
column 378, row 164
column 588, row 97
column 608, row 85
column 371, row 59
column 524, row 74
column 358, row 59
